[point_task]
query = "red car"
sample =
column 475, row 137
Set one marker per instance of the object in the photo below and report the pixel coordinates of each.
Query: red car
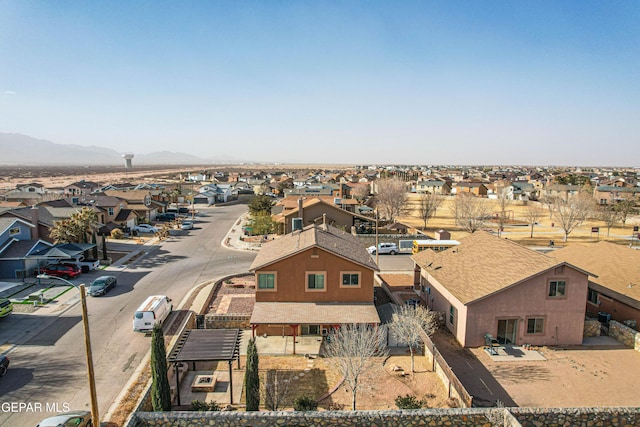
column 66, row 271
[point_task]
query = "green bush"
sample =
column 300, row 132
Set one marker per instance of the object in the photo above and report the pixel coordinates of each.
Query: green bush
column 198, row 405
column 409, row 402
column 305, row 403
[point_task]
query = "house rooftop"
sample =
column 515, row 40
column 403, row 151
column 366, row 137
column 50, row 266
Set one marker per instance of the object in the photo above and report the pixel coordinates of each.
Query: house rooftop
column 617, row 267
column 326, row 237
column 482, row 265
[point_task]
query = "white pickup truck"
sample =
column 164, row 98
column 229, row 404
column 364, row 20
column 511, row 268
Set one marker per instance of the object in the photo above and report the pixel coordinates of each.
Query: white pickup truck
column 84, row 264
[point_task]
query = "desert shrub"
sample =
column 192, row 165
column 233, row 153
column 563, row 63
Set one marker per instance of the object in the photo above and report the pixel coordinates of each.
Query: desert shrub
column 198, row 405
column 304, row 403
column 116, row 233
column 409, row 402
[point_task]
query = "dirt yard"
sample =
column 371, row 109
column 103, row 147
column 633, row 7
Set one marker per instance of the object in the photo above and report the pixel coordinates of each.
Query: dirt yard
column 575, row 377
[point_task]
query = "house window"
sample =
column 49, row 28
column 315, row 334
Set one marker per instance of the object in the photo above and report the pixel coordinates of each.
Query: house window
column 452, row 314
column 350, row 279
column 535, row 325
column 13, row 231
column 592, row 297
column 266, row 280
column 110, row 210
column 315, row 281
column 557, row 288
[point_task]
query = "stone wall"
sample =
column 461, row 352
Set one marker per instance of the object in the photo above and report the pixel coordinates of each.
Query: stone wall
column 578, row 417
column 488, row 417
column 431, row 417
column 227, row 321
column 591, row 328
column 624, row 334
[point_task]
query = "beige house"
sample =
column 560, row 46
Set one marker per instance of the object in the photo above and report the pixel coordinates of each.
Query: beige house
column 315, row 211
column 489, row 285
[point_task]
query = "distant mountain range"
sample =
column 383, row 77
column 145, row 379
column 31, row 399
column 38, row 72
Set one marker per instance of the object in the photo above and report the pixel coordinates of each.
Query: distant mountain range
column 17, row 149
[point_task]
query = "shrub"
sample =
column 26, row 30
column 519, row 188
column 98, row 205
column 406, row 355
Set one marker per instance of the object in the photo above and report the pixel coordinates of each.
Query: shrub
column 116, row 233
column 198, row 405
column 409, row 402
column 305, row 403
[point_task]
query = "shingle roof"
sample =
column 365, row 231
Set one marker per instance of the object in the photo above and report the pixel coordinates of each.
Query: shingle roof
column 331, row 240
column 616, row 266
column 483, row 264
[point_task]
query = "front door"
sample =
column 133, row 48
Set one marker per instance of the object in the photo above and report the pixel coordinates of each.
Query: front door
column 507, row 331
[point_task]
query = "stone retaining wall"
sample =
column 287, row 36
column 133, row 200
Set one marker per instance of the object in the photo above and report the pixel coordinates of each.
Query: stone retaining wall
column 433, row 417
column 508, row 417
column 577, row 417
column 624, row 334
column 227, row 321
column 591, row 328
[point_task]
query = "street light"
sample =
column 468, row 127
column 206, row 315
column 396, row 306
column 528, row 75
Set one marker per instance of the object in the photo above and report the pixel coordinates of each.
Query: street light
column 95, row 419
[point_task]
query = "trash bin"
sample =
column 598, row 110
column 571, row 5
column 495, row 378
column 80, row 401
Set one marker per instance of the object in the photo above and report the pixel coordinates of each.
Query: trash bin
column 199, row 321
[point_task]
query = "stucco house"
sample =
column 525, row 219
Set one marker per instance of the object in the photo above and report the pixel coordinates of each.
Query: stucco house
column 312, row 280
column 614, row 287
column 313, row 211
column 489, row 285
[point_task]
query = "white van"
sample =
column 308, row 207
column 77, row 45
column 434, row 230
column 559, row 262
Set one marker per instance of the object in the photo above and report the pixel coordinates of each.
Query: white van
column 153, row 311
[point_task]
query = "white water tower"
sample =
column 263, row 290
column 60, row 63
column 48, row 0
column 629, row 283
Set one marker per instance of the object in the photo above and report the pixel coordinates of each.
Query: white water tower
column 127, row 160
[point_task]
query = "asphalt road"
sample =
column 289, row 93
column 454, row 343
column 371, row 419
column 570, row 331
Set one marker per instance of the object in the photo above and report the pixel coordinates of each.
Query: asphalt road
column 48, row 370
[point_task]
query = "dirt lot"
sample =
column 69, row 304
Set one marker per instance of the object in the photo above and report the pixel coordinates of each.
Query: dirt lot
column 519, row 230
column 575, row 377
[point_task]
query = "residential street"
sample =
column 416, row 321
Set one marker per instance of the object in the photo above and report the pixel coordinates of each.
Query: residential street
column 48, row 370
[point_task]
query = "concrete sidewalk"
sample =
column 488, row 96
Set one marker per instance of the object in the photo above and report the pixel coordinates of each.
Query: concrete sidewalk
column 233, row 240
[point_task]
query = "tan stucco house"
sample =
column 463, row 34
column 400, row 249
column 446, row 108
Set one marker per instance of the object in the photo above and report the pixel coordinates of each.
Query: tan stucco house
column 312, row 280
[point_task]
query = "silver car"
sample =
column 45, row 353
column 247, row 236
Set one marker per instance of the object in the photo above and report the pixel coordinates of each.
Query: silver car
column 384, row 248
column 75, row 419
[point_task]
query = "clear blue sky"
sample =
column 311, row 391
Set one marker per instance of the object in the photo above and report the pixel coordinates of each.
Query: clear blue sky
column 462, row 82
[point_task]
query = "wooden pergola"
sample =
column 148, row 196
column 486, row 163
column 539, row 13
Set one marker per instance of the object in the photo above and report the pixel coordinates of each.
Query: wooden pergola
column 207, row 345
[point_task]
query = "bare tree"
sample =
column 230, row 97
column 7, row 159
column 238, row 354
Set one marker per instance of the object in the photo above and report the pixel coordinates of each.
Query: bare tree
column 353, row 349
column 572, row 213
column 551, row 202
column 609, row 216
column 532, row 214
column 409, row 324
column 391, row 198
column 276, row 388
column 502, row 202
column 361, row 191
column 428, row 205
column 624, row 207
column 470, row 212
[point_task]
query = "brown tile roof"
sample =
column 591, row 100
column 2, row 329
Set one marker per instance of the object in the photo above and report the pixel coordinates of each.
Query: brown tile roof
column 287, row 313
column 483, row 264
column 616, row 266
column 331, row 240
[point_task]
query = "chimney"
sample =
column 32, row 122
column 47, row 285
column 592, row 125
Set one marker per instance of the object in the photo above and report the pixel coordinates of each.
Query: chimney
column 324, row 221
column 300, row 211
column 35, row 217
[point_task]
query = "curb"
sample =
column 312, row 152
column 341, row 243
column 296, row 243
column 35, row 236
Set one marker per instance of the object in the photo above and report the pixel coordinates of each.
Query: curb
column 226, row 241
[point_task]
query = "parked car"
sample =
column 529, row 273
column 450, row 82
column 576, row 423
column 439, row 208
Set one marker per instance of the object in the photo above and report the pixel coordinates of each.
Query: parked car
column 6, row 307
column 384, row 248
column 102, row 285
column 66, row 271
column 4, row 365
column 85, row 265
column 186, row 225
column 75, row 419
column 167, row 216
column 145, row 228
